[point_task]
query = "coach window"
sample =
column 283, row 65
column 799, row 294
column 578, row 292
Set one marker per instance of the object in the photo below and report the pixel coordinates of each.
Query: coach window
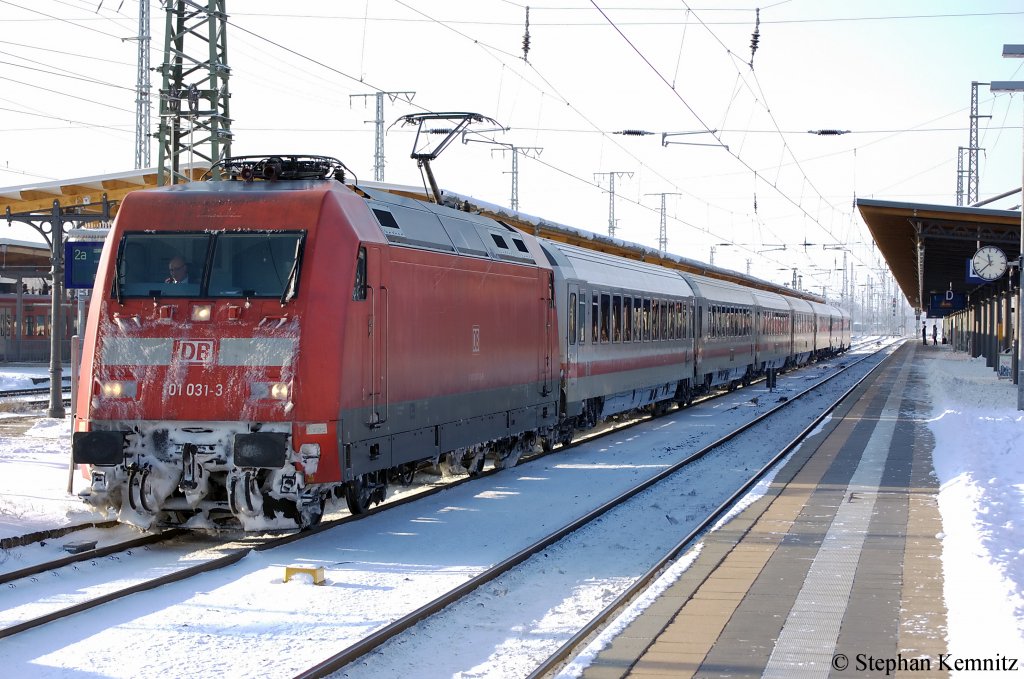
column 581, row 315
column 605, row 317
column 617, row 318
column 594, row 318
column 627, row 319
column 666, row 332
column 572, row 318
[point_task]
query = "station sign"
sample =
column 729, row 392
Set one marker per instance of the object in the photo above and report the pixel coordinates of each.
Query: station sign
column 943, row 304
column 81, row 261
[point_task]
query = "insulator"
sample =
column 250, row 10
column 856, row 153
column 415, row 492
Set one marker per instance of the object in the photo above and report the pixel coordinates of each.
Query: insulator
column 634, row 133
column 526, row 36
column 439, row 130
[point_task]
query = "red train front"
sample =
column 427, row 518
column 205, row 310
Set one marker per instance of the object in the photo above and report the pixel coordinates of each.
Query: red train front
column 254, row 347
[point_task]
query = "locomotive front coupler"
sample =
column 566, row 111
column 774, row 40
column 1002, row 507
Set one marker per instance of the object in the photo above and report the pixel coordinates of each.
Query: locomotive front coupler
column 189, row 467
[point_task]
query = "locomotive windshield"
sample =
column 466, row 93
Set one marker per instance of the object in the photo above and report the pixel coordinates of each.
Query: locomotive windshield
column 220, row 264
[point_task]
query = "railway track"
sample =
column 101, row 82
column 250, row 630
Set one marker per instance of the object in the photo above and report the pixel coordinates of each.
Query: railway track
column 588, row 631
column 232, row 554
column 25, row 400
column 521, row 564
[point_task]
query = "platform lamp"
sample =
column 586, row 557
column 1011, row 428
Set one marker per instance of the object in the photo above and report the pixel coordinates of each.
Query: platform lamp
column 1017, row 52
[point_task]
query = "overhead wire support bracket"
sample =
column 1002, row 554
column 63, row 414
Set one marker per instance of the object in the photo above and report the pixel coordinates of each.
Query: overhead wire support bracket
column 665, row 138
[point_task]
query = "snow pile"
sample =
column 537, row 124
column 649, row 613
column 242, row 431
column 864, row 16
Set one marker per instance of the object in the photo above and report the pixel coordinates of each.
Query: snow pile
column 34, row 474
column 978, row 438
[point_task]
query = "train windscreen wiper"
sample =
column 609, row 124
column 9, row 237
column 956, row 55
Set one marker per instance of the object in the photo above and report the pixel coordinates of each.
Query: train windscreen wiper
column 292, row 283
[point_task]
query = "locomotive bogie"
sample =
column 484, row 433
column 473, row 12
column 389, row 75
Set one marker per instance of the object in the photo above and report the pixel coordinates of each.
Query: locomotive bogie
column 203, row 470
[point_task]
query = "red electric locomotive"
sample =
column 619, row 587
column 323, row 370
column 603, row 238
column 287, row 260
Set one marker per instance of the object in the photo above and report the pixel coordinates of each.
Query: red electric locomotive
column 254, row 347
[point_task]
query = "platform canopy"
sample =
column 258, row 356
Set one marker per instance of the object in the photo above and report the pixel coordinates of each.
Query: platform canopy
column 85, row 193
column 928, row 247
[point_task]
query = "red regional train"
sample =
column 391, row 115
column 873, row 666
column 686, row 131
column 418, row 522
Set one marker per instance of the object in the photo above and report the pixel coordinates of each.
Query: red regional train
column 259, row 345
column 31, row 341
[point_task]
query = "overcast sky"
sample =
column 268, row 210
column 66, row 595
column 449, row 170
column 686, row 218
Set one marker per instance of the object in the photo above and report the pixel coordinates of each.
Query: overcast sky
column 896, row 74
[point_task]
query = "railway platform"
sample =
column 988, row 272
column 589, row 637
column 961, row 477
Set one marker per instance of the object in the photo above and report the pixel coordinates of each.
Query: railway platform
column 835, row 571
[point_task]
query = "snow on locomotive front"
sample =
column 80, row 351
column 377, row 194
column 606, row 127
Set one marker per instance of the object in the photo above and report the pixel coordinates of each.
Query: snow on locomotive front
column 192, row 406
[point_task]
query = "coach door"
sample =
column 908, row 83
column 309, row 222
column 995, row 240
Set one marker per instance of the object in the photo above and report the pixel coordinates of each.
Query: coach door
column 576, row 322
column 550, row 335
column 376, row 358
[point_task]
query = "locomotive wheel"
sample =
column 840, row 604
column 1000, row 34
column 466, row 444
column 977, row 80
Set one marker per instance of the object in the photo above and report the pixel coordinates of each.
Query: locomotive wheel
column 406, row 473
column 242, row 494
column 137, row 491
column 358, row 495
column 311, row 514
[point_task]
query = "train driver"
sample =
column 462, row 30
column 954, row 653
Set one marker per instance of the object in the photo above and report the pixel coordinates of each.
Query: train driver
column 178, row 268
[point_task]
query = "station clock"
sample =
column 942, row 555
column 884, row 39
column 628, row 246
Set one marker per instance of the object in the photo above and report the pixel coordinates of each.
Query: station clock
column 989, row 263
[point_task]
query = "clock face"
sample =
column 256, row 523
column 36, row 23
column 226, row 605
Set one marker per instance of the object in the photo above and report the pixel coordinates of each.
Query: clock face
column 989, row 263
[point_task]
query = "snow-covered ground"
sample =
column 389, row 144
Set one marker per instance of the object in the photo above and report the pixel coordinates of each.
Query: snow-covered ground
column 977, row 431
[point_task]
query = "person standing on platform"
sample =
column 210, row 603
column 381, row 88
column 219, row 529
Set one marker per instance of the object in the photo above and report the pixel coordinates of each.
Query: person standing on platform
column 935, row 334
column 924, row 332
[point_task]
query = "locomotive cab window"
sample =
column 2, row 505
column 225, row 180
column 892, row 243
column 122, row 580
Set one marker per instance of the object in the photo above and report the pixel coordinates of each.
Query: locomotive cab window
column 220, row 264
column 359, row 287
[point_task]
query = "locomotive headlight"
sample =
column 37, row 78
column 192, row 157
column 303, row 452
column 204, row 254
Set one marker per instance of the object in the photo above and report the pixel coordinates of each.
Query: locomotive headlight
column 118, row 389
column 278, row 391
column 202, row 312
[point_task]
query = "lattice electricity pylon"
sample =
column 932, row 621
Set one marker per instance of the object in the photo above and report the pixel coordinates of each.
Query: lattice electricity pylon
column 972, row 150
column 194, row 90
column 612, row 222
column 378, row 121
column 663, row 229
column 143, row 104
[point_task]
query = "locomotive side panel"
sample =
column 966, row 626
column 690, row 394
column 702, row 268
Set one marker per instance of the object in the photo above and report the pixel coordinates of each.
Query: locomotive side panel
column 465, row 342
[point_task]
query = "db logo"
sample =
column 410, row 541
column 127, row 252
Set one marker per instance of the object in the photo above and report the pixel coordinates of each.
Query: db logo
column 194, row 351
